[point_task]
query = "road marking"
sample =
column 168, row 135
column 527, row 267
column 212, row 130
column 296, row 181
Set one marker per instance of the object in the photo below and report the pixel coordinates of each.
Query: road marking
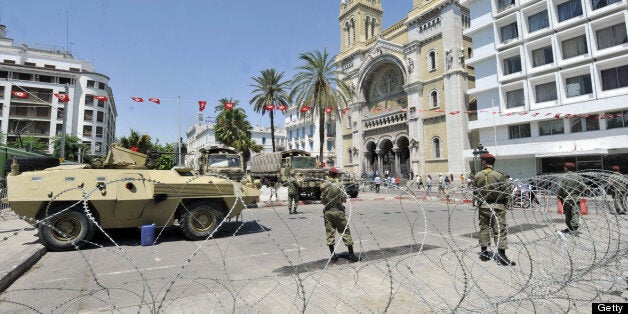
column 265, row 253
column 136, row 270
column 58, row 279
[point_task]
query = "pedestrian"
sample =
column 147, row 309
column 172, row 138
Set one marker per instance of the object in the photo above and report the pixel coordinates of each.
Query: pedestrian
column 462, row 181
column 411, row 175
column 397, row 181
column 493, row 197
column 447, row 182
column 332, row 197
column 420, row 182
column 617, row 189
column 570, row 188
column 273, row 190
column 429, row 183
column 293, row 195
column 378, row 182
column 441, row 184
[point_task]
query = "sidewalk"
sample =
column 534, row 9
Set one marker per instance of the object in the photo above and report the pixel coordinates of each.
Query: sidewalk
column 20, row 248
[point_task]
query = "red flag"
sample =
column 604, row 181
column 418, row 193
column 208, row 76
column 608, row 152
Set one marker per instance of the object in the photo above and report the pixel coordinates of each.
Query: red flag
column 567, row 115
column 281, row 107
column 269, row 107
column 454, row 112
column 229, row 106
column 404, row 110
column 135, row 149
column 344, row 111
column 557, row 116
column 439, row 110
column 103, row 98
column 535, row 114
column 62, row 97
column 305, row 108
column 201, row 105
column 138, row 99
column 328, row 110
column 155, row 100
column 19, row 94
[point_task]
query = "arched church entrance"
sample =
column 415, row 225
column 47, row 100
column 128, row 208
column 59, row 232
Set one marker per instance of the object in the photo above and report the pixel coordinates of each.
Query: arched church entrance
column 402, row 151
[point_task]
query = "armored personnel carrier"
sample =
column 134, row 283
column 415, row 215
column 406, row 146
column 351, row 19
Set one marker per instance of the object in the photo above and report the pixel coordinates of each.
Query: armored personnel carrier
column 276, row 168
column 223, row 161
column 69, row 202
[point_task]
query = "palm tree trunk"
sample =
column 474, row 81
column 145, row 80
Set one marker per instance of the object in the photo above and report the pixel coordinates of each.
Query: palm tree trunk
column 321, row 131
column 272, row 129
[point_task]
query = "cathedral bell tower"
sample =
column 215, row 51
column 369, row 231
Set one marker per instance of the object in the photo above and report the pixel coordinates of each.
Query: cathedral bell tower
column 360, row 20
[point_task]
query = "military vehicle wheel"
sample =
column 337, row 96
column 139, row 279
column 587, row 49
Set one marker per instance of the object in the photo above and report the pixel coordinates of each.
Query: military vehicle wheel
column 200, row 220
column 66, row 230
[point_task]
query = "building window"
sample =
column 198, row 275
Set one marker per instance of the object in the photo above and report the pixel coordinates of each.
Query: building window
column 551, row 127
column 512, row 65
column 432, row 60
column 584, row 124
column 98, row 131
column 538, row 21
column 290, row 135
column 615, row 78
column 75, row 69
column 542, row 56
column 88, row 115
column 611, row 36
column 311, row 130
column 91, row 83
column 515, row 99
column 578, row 85
column 49, row 66
column 298, row 134
column 504, row 4
column 546, row 92
column 434, row 99
column 509, row 32
column 87, row 130
column 66, row 80
column 311, row 146
column 598, row 4
column 519, row 131
column 618, row 119
column 89, row 100
column 30, row 64
column 574, row 47
column 348, row 121
column 263, row 141
column 436, row 147
column 100, row 116
column 569, row 10
column 7, row 61
column 469, row 52
column 350, row 155
column 329, row 145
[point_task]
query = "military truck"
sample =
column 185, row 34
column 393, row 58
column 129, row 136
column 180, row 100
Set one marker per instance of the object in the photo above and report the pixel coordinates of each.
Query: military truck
column 221, row 161
column 276, row 168
column 69, row 202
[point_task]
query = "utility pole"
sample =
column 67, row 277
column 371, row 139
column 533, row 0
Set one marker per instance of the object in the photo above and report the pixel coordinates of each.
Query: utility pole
column 65, row 119
column 179, row 138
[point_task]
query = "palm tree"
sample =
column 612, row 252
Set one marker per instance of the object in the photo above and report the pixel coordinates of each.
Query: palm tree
column 269, row 89
column 142, row 142
column 319, row 84
column 231, row 125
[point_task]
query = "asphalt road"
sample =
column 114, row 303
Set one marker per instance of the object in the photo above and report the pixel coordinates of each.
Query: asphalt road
column 270, row 262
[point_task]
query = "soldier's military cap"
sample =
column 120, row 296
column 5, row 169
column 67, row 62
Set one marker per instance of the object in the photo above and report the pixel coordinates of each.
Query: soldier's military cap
column 486, row 156
column 334, row 170
column 616, row 168
column 570, row 165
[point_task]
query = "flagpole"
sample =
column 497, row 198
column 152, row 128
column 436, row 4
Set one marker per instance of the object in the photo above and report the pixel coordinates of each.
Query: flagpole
column 494, row 128
column 179, row 138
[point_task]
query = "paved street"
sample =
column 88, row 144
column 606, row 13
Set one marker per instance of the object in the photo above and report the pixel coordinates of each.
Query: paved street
column 416, row 256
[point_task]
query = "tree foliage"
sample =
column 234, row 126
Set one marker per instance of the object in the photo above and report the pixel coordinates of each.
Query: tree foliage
column 164, row 160
column 142, row 142
column 319, row 84
column 233, row 129
column 72, row 144
column 30, row 143
column 269, row 89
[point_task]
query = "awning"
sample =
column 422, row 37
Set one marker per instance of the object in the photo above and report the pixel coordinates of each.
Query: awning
column 597, row 151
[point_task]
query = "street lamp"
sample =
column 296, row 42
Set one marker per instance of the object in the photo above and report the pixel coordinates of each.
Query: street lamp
column 477, row 153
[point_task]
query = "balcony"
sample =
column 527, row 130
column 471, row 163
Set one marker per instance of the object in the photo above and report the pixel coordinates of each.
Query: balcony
column 389, row 122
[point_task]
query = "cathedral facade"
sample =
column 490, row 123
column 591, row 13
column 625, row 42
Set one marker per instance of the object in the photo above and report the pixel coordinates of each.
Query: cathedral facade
column 409, row 114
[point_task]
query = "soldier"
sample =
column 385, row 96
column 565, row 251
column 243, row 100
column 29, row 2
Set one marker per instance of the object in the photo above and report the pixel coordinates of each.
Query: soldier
column 618, row 190
column 569, row 191
column 332, row 197
column 493, row 198
column 293, row 195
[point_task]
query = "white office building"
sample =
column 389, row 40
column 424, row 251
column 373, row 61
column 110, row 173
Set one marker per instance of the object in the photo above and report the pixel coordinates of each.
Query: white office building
column 30, row 76
column 551, row 83
column 302, row 133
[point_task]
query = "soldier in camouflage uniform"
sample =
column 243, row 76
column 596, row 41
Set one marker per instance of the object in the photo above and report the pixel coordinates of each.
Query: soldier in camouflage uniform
column 332, row 197
column 493, row 197
column 617, row 187
column 293, row 195
column 569, row 190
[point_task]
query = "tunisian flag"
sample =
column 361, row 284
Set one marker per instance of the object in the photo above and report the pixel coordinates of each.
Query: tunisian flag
column 305, row 108
column 201, row 105
column 138, row 99
column 62, row 97
column 102, row 98
column 155, row 100
column 269, row 107
column 281, row 107
column 328, row 110
column 229, row 106
column 19, row 94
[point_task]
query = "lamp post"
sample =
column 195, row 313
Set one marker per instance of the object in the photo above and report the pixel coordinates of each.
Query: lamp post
column 477, row 153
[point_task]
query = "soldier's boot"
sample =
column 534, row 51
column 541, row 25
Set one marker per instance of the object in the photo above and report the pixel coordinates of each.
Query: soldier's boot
column 352, row 257
column 502, row 259
column 334, row 257
column 485, row 255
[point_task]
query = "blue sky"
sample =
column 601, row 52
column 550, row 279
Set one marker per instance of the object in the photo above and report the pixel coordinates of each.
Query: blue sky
column 198, row 50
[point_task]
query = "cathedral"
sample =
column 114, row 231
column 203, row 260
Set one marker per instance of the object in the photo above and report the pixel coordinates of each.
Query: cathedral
column 410, row 110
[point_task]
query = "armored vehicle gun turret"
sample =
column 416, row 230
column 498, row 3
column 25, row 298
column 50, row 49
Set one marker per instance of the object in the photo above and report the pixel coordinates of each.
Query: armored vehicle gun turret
column 69, row 202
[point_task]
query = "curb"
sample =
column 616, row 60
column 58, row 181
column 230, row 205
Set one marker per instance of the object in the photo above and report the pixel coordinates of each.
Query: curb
column 23, row 261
